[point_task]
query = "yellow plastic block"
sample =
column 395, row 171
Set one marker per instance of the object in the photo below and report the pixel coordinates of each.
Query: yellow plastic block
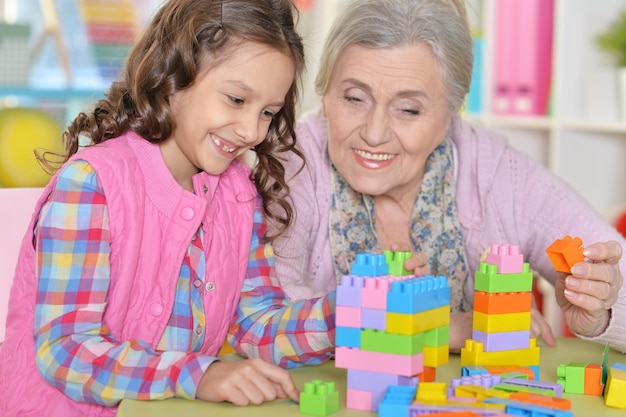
column 400, row 323
column 479, row 392
column 473, row 354
column 431, row 391
column 436, row 356
column 615, row 391
column 493, row 323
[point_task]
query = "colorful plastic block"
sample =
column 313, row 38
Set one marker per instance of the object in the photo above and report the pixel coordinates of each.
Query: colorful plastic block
column 518, row 408
column 377, row 381
column 359, row 399
column 431, row 391
column 436, row 356
column 502, row 302
column 510, row 322
column 486, row 380
column 352, row 358
column 556, row 389
column 615, row 392
column 502, row 340
column 507, row 258
column 566, row 252
column 349, row 291
column 572, row 377
column 542, row 400
column 418, row 294
column 319, row 398
column 369, row 265
column 399, row 344
column 437, row 337
column 428, row 374
column 487, row 279
column 395, row 260
column 473, row 354
column 400, row 323
column 348, row 316
column 347, row 336
column 396, row 401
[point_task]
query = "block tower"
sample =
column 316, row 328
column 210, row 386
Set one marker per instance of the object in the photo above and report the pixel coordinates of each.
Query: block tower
column 392, row 327
column 502, row 308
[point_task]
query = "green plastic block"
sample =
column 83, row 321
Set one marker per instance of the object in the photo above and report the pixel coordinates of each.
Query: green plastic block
column 438, row 336
column 319, row 398
column 395, row 260
column 400, row 344
column 487, row 279
column 572, row 377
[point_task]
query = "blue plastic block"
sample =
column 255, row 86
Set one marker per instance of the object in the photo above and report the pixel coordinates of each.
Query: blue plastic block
column 370, row 265
column 473, row 370
column 418, row 294
column 396, row 401
column 347, row 336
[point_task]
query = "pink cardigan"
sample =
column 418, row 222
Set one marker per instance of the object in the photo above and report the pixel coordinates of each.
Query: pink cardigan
column 502, row 195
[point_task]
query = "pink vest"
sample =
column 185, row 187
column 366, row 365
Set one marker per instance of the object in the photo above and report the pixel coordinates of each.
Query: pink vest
column 152, row 221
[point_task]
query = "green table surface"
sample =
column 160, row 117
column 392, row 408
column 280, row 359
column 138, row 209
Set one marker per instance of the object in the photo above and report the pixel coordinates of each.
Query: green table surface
column 567, row 350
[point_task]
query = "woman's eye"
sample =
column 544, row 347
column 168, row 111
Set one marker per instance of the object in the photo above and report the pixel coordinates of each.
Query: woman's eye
column 410, row 112
column 235, row 100
column 352, row 99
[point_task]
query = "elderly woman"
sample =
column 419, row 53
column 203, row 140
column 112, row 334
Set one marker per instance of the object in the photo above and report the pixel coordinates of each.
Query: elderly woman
column 391, row 165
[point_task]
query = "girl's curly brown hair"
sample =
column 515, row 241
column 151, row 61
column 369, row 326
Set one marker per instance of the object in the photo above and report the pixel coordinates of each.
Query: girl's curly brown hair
column 183, row 38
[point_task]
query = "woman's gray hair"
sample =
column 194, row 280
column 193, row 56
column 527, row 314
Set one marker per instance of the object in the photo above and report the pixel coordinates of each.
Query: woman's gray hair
column 440, row 24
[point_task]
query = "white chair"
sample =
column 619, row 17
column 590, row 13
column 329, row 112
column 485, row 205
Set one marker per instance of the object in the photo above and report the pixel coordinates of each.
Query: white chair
column 16, row 209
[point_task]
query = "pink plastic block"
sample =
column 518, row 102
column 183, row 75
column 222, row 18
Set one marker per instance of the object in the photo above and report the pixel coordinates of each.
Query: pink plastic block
column 353, row 358
column 507, row 257
column 348, row 316
column 374, row 293
column 359, row 400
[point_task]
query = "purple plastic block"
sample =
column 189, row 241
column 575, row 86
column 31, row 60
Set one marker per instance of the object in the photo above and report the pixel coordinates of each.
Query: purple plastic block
column 349, row 291
column 486, row 380
column 495, row 342
column 373, row 319
column 377, row 381
column 557, row 388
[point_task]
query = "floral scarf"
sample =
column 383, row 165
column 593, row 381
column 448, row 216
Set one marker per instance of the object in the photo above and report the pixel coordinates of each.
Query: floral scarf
column 435, row 228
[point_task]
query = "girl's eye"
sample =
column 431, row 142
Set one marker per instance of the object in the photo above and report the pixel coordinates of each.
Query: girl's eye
column 235, row 100
column 268, row 115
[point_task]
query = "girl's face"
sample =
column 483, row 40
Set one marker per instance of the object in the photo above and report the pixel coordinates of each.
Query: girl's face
column 386, row 113
column 226, row 111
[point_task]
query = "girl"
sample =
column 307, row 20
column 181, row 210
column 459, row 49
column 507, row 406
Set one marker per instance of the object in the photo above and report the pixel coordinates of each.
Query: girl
column 138, row 251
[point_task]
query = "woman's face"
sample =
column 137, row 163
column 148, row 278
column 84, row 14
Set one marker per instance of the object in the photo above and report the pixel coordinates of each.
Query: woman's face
column 386, row 113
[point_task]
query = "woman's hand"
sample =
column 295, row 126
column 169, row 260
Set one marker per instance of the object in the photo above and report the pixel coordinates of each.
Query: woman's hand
column 252, row 381
column 587, row 295
column 417, row 263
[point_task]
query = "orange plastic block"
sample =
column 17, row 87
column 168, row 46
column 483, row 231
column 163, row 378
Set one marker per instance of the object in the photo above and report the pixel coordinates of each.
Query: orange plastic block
column 564, row 253
column 502, row 302
column 505, row 369
column 542, row 400
column 593, row 379
column 428, row 374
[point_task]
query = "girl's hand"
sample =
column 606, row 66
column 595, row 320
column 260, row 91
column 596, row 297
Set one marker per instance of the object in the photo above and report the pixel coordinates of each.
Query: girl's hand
column 539, row 327
column 587, row 295
column 251, row 381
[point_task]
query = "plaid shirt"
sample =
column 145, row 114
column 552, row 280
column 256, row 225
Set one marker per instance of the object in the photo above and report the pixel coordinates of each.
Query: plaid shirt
column 75, row 349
